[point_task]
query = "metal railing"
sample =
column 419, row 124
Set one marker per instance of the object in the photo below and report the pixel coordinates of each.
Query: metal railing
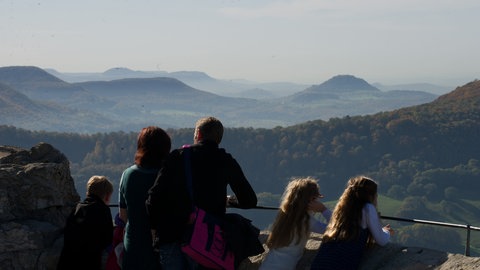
column 467, row 227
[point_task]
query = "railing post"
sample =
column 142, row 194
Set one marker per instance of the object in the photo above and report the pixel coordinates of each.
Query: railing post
column 467, row 244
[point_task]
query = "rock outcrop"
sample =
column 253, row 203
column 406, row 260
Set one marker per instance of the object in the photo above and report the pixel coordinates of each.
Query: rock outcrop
column 390, row 257
column 37, row 193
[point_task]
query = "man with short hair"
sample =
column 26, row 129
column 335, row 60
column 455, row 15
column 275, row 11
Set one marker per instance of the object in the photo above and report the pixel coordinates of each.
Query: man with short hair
column 212, row 169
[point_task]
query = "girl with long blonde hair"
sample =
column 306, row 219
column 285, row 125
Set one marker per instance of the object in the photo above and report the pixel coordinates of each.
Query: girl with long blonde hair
column 293, row 224
column 354, row 223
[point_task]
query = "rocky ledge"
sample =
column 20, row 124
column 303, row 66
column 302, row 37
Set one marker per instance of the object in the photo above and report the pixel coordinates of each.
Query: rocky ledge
column 37, row 192
column 390, row 257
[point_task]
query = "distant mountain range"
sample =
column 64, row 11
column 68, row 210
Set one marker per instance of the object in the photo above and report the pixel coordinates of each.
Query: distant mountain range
column 231, row 88
column 121, row 99
column 196, row 79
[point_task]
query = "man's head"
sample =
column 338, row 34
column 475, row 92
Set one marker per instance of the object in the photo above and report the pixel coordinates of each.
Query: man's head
column 101, row 187
column 208, row 129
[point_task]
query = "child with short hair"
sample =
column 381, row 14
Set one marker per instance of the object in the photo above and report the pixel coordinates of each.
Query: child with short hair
column 89, row 228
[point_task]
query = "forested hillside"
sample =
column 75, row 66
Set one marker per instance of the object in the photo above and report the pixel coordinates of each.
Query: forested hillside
column 426, row 158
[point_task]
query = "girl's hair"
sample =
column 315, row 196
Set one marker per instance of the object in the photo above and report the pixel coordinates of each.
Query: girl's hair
column 347, row 215
column 293, row 221
column 153, row 146
column 99, row 186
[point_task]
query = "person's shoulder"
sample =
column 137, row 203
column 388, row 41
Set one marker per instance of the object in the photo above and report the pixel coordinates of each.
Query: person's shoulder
column 208, row 147
column 130, row 169
column 225, row 155
column 223, row 151
column 370, row 208
column 127, row 173
column 92, row 203
column 175, row 153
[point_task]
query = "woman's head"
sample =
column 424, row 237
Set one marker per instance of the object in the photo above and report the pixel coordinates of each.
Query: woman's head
column 292, row 221
column 153, row 146
column 362, row 189
column 298, row 194
column 347, row 215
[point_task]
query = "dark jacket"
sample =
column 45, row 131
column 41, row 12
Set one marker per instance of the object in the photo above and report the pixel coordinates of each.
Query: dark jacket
column 169, row 204
column 242, row 237
column 88, row 232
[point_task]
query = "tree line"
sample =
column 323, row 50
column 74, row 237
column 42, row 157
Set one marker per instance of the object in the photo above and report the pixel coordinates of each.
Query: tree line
column 423, row 151
column 407, row 154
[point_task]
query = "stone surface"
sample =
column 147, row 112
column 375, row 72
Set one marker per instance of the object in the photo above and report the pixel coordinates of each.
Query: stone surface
column 37, row 193
column 391, row 256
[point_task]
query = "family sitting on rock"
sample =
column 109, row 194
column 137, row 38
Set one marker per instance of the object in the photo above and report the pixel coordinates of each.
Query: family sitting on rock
column 158, row 193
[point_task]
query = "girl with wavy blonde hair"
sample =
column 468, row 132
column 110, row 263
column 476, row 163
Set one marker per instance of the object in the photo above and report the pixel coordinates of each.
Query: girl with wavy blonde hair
column 354, row 223
column 293, row 224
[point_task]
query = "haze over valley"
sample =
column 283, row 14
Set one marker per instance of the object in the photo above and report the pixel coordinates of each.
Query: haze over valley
column 121, row 99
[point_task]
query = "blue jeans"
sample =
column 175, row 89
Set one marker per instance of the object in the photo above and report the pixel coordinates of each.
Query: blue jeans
column 172, row 258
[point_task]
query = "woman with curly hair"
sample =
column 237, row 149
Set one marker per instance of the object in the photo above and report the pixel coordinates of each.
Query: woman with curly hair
column 293, row 224
column 354, row 225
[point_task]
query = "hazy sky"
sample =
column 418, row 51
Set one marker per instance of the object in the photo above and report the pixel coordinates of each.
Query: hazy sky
column 303, row 41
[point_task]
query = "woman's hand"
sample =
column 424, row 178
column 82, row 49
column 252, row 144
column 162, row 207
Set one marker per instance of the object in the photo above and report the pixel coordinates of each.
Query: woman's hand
column 232, row 200
column 389, row 229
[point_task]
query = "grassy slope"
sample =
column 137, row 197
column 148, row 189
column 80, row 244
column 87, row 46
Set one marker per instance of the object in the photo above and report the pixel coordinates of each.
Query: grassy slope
column 461, row 212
